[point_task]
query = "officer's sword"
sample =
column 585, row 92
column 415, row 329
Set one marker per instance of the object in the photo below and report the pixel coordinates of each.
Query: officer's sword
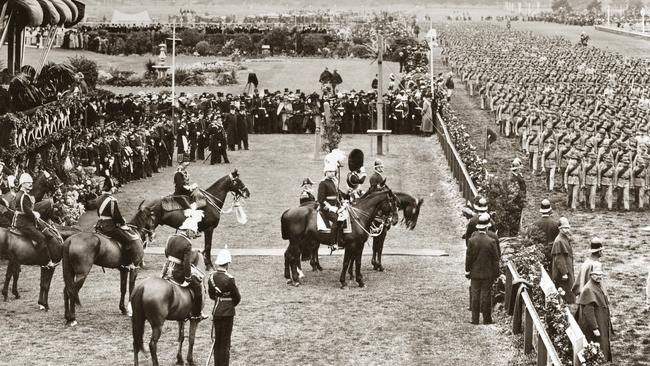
column 214, row 339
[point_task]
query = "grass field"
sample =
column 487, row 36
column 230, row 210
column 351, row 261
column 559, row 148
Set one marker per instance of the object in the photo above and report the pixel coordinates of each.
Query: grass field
column 626, row 254
column 412, row 314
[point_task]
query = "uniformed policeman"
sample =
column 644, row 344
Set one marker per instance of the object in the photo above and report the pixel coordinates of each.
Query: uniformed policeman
column 223, row 290
column 178, row 267
column 112, row 224
column 25, row 218
column 306, row 196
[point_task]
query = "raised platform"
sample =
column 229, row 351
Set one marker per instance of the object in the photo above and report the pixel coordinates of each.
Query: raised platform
column 624, row 32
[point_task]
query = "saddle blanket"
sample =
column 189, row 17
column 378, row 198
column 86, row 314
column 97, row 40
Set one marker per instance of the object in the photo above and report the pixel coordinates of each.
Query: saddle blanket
column 18, row 232
column 173, row 202
column 324, row 225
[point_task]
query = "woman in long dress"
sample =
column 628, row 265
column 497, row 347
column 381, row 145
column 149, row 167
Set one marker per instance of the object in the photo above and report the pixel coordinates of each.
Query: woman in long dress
column 427, row 116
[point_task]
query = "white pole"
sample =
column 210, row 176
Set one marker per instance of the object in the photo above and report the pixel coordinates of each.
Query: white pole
column 608, row 23
column 173, row 66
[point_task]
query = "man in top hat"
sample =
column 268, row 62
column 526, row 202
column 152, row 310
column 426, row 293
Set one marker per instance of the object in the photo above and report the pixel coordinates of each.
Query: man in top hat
column 596, row 250
column 25, row 218
column 593, row 314
column 178, row 267
column 218, row 142
column 223, row 290
column 482, row 268
column 112, row 224
column 306, row 196
column 562, row 261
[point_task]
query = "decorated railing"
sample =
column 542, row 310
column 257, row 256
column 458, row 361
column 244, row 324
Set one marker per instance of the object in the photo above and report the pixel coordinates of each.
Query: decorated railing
column 525, row 319
column 454, row 161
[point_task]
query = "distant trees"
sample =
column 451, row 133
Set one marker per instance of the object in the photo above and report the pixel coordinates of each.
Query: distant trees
column 561, row 6
column 595, row 6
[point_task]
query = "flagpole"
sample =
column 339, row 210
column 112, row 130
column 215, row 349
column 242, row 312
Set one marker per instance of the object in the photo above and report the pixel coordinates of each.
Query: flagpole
column 174, row 76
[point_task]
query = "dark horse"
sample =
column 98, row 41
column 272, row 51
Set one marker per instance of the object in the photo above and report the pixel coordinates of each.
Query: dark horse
column 406, row 203
column 157, row 300
column 215, row 196
column 299, row 227
column 19, row 249
column 411, row 208
column 82, row 250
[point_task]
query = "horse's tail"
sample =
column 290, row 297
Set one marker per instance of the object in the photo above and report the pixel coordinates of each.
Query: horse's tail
column 283, row 225
column 68, row 274
column 138, row 318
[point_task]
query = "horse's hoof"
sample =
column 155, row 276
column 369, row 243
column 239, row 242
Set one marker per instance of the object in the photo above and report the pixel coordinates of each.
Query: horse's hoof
column 16, row 296
column 289, row 282
column 362, row 285
column 42, row 308
column 344, row 286
column 296, row 284
column 381, row 268
column 71, row 324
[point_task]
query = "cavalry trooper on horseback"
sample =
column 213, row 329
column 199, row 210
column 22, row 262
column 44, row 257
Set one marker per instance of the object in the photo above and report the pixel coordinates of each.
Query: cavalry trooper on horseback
column 178, row 268
column 112, row 224
column 357, row 174
column 182, row 185
column 25, row 218
column 306, row 196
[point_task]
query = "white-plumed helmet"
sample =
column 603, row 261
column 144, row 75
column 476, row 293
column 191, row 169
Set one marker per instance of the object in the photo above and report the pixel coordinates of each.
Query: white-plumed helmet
column 224, row 257
column 330, row 167
column 25, row 178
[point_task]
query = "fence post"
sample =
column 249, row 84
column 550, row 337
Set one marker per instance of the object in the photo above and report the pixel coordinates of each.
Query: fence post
column 528, row 333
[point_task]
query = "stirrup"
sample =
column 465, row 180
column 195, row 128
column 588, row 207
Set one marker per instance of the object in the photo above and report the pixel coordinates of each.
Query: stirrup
column 129, row 267
column 200, row 317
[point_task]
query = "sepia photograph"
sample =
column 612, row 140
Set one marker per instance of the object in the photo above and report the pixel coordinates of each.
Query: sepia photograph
column 298, row 182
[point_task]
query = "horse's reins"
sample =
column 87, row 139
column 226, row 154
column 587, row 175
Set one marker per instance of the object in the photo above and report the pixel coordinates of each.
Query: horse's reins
column 355, row 215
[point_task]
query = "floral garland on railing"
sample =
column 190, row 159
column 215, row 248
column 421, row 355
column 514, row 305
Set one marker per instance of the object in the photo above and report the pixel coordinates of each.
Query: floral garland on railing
column 474, row 164
column 527, row 259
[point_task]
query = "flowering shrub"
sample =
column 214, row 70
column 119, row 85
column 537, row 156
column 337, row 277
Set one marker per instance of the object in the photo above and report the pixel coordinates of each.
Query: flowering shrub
column 592, row 355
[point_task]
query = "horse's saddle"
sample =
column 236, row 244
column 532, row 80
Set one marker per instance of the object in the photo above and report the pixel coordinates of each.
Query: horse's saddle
column 182, row 202
column 325, row 226
column 16, row 231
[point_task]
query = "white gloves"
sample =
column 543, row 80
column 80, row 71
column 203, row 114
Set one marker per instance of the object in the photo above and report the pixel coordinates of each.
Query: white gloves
column 37, row 215
column 193, row 205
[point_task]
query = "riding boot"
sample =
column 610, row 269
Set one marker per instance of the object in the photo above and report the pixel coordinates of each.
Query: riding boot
column 132, row 255
column 334, row 233
column 50, row 244
column 197, row 304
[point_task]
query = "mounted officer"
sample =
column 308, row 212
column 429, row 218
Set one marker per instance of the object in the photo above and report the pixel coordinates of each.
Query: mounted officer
column 329, row 198
column 112, row 224
column 357, row 174
column 377, row 179
column 179, row 269
column 25, row 218
column 306, row 196
column 182, row 185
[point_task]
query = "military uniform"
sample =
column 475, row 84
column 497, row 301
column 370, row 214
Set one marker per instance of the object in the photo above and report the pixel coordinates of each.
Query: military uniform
column 573, row 178
column 623, row 182
column 178, row 252
column 591, row 181
column 181, row 182
column 606, row 181
column 328, row 198
column 25, row 220
column 223, row 290
column 111, row 223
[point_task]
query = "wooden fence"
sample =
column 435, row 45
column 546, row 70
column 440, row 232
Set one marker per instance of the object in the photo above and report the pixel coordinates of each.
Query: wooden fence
column 519, row 304
column 456, row 165
column 525, row 319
